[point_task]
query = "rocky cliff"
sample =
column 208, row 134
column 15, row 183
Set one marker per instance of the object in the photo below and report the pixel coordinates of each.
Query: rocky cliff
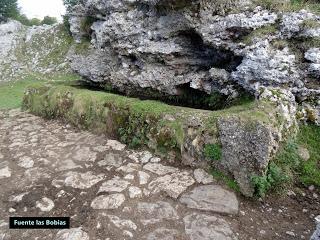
column 152, row 47
column 32, row 50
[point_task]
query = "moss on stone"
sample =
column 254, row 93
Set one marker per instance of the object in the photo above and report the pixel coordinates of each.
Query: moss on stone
column 262, row 32
column 225, row 179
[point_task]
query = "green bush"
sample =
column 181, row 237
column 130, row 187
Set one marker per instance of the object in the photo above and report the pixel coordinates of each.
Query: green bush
column 274, row 178
column 49, row 20
column 213, row 151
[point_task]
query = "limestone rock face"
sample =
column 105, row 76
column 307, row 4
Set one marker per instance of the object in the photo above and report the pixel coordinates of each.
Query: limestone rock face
column 170, row 46
column 30, row 49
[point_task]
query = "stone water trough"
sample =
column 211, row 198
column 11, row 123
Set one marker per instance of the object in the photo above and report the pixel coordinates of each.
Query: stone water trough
column 239, row 141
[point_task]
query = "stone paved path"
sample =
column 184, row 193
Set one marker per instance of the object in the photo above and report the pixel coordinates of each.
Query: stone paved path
column 109, row 191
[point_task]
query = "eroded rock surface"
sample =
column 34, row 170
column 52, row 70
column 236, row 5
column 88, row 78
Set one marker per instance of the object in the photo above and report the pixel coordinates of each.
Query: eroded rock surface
column 210, row 46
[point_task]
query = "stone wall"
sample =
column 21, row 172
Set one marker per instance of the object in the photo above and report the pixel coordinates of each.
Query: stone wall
column 240, row 141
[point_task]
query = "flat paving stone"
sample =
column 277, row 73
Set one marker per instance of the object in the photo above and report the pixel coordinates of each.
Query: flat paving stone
column 72, row 234
column 160, row 169
column 173, row 185
column 205, row 227
column 112, row 201
column 114, row 185
column 201, row 176
column 82, row 180
column 5, row 172
column 151, row 213
column 211, row 198
column 164, row 234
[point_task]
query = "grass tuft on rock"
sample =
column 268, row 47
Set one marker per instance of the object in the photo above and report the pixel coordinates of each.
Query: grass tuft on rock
column 213, row 152
column 288, row 168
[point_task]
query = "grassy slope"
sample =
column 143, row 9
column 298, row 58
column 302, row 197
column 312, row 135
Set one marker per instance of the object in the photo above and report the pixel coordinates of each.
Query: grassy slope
column 289, row 169
column 309, row 137
column 11, row 93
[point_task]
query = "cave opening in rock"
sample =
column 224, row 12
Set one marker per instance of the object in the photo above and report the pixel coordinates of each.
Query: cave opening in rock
column 205, row 56
column 188, row 97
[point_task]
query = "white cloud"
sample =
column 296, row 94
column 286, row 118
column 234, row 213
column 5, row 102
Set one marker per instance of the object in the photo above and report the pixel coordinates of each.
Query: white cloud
column 41, row 8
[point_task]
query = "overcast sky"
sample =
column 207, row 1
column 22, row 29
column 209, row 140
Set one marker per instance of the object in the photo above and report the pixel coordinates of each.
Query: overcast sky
column 41, row 8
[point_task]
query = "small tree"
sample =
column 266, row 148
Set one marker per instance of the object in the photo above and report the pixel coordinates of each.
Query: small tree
column 35, row 22
column 49, row 20
column 9, row 8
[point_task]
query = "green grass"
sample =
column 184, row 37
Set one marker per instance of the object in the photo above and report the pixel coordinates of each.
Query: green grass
column 293, row 5
column 259, row 33
column 309, row 138
column 224, row 178
column 213, row 152
column 288, row 168
column 11, row 93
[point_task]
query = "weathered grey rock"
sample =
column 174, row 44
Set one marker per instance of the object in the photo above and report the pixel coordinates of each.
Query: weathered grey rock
column 16, row 38
column 72, row 234
column 164, row 234
column 204, row 227
column 201, row 176
column 242, row 158
column 45, row 204
column 82, row 180
column 173, row 185
column 68, row 164
column 129, row 168
column 134, row 49
column 114, row 185
column 112, row 159
column 116, row 145
column 122, row 223
column 265, row 66
column 303, row 153
column 292, row 23
column 143, row 177
column 211, row 198
column 151, row 213
column 112, row 201
column 313, row 55
column 145, row 157
column 159, row 169
column 5, row 172
column 84, row 154
column 135, row 192
column 316, row 234
column 25, row 162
